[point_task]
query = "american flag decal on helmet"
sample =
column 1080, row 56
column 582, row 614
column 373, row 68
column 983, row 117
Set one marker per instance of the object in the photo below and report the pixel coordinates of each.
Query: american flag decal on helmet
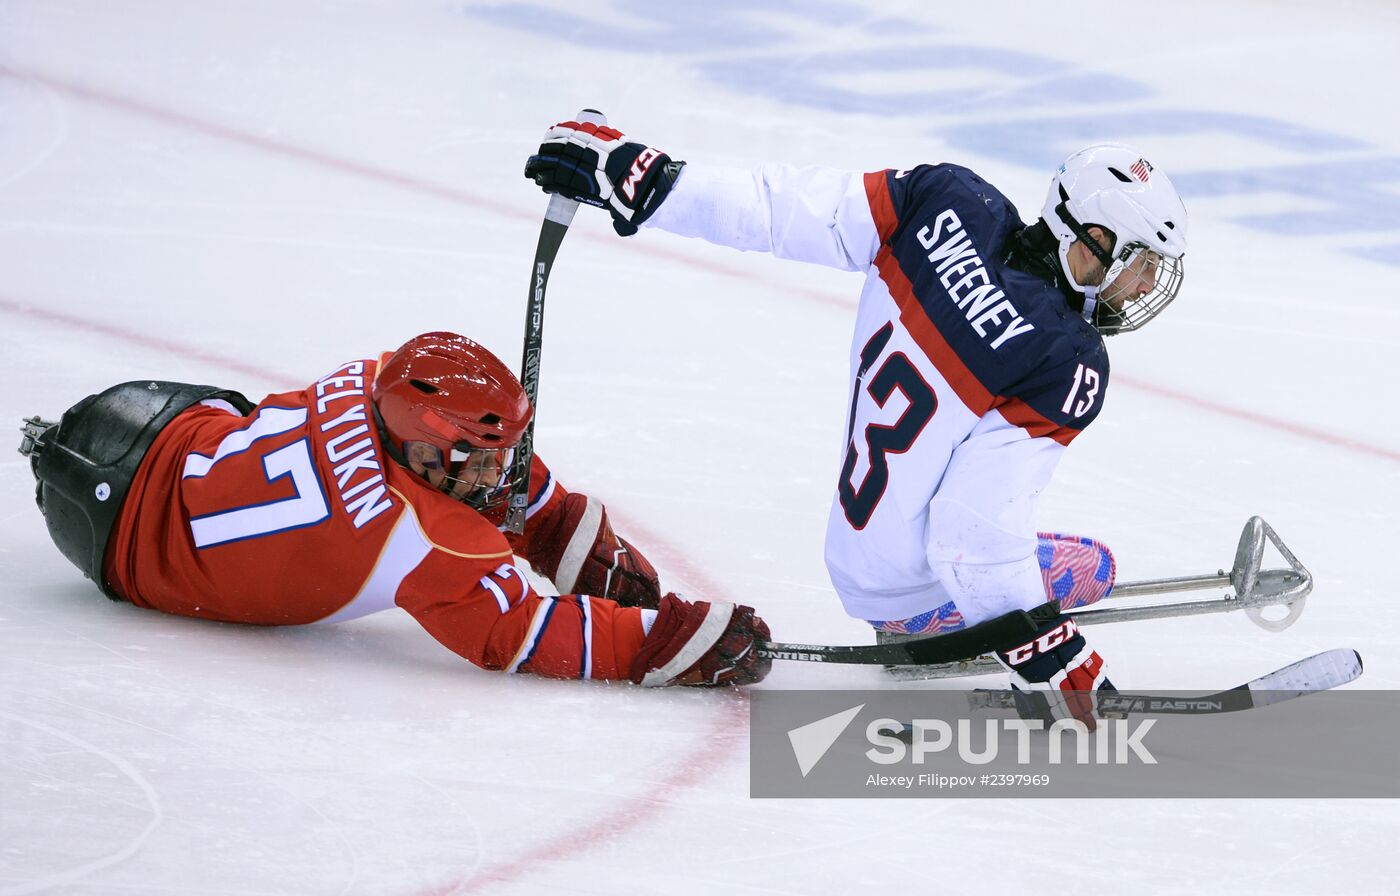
column 1142, row 170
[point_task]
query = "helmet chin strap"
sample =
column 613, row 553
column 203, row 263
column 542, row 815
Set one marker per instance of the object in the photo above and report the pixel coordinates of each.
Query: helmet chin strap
column 1082, row 233
column 1062, row 253
column 1036, row 249
column 1091, row 301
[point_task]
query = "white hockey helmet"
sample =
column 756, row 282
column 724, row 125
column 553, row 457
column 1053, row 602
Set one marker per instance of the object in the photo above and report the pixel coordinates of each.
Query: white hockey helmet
column 1116, row 188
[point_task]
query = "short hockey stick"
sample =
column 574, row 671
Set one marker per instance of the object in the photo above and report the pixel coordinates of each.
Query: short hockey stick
column 1320, row 672
column 557, row 218
column 965, row 644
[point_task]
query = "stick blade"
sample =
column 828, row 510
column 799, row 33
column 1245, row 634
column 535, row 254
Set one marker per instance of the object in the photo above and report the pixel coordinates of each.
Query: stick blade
column 1329, row 669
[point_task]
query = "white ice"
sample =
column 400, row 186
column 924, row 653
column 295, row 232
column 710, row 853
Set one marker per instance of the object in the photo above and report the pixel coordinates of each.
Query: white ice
column 249, row 193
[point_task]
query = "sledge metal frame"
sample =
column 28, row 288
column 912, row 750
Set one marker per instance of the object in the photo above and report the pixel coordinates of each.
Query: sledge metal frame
column 32, row 435
column 1252, row 589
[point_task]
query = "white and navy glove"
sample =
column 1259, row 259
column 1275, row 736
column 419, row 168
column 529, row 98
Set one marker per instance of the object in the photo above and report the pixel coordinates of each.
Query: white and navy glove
column 1056, row 674
column 597, row 165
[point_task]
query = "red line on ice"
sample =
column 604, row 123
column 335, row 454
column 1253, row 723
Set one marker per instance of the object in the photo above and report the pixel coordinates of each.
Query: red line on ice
column 175, row 119
column 1288, row 426
column 145, row 340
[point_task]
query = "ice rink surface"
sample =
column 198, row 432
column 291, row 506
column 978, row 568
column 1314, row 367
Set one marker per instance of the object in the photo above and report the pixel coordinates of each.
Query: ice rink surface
column 249, row 193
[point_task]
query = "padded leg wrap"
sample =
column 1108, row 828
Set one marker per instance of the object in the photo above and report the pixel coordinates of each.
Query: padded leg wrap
column 85, row 464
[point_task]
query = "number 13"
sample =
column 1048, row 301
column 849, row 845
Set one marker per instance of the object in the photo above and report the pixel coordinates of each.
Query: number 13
column 1087, row 377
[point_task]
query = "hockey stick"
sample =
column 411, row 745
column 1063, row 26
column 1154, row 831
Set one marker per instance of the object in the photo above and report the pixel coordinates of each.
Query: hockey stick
column 557, row 218
column 964, row 644
column 1320, row 672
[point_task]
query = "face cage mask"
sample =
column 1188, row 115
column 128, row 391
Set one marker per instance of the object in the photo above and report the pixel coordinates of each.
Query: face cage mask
column 468, row 465
column 1136, row 267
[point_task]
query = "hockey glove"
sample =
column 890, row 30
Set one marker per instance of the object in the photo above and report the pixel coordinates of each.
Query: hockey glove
column 1056, row 675
column 596, row 164
column 579, row 552
column 701, row 644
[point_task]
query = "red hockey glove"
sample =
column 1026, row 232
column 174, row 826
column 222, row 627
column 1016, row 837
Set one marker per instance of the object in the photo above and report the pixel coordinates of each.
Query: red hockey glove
column 1055, row 674
column 579, row 552
column 702, row 644
column 596, row 164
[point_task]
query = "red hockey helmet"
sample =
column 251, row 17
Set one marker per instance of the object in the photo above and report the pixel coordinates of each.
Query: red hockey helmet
column 447, row 404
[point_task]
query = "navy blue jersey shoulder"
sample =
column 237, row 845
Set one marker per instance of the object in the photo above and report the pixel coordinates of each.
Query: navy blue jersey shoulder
column 1014, row 332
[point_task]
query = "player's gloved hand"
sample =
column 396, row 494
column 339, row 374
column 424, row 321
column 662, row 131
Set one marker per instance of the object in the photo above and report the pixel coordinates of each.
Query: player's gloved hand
column 1056, row 674
column 597, row 165
column 701, row 644
column 579, row 552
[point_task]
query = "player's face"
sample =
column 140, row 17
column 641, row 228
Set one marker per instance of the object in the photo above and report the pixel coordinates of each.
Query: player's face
column 471, row 475
column 1137, row 278
column 481, row 471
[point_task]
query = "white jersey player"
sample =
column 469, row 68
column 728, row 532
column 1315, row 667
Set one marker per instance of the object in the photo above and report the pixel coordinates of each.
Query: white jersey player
column 977, row 358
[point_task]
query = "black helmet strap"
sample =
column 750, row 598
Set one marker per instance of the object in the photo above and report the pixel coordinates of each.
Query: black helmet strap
column 1082, row 233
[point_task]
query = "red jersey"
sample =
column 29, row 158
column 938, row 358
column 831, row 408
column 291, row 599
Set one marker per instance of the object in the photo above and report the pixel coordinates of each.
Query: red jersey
column 296, row 514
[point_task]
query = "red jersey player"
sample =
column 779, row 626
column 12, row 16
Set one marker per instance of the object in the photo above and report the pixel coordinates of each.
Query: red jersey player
column 380, row 484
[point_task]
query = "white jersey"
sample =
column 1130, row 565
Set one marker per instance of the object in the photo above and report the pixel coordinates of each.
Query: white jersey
column 968, row 378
